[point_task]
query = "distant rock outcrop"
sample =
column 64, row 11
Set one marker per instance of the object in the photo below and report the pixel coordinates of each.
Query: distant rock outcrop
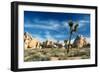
column 80, row 41
column 47, row 44
column 30, row 42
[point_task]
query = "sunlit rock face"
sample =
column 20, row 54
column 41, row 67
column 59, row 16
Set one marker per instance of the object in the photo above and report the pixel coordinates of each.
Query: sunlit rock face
column 80, row 41
column 30, row 42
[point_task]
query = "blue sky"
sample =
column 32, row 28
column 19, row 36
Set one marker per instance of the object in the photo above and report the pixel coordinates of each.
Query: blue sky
column 54, row 26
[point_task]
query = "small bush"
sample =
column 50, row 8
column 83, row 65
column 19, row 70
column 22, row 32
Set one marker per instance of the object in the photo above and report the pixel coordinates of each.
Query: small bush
column 85, row 57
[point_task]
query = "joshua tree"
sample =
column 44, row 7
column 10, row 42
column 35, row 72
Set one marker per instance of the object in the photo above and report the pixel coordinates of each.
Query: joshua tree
column 66, row 43
column 73, row 28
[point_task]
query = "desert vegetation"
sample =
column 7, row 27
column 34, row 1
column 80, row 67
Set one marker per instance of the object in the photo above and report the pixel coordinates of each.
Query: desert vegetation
column 55, row 54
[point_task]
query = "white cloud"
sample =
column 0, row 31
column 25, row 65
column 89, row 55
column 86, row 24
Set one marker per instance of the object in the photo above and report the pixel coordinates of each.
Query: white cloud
column 65, row 24
column 49, row 37
column 72, row 40
column 56, row 24
column 46, row 24
column 88, row 39
column 83, row 23
column 38, row 37
column 53, row 27
column 60, row 36
column 37, row 21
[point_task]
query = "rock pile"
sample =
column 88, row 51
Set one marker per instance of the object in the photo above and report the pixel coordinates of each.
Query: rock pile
column 80, row 41
column 30, row 42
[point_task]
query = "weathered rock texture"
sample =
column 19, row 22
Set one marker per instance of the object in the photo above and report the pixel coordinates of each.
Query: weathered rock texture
column 30, row 42
column 80, row 41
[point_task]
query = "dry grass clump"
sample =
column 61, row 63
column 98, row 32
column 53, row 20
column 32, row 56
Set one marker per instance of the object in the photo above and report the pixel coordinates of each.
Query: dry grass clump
column 55, row 54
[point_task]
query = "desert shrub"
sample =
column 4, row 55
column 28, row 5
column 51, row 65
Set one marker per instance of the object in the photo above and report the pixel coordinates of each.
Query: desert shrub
column 85, row 51
column 79, row 52
column 72, row 53
column 56, row 53
column 29, row 52
column 37, row 57
column 63, row 58
column 85, row 57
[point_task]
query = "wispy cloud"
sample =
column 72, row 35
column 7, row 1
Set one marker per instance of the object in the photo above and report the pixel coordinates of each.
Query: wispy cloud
column 46, row 24
column 48, row 36
column 83, row 23
column 65, row 24
column 41, row 39
column 53, row 27
column 88, row 39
